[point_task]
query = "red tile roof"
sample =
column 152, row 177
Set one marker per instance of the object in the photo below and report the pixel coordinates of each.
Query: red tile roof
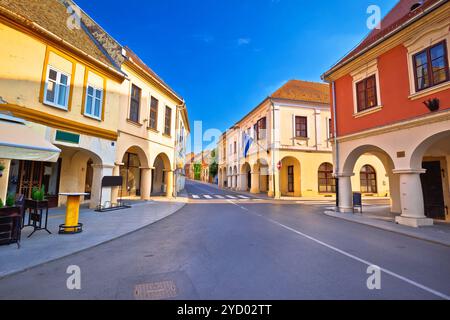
column 392, row 22
column 304, row 91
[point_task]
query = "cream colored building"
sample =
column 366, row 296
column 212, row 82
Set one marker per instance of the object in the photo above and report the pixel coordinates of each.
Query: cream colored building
column 153, row 129
column 291, row 153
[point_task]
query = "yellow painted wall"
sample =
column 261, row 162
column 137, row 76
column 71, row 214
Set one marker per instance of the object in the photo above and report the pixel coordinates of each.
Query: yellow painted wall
column 22, row 67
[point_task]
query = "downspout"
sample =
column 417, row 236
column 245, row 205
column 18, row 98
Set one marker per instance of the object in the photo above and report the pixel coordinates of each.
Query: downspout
column 336, row 144
column 273, row 147
column 178, row 108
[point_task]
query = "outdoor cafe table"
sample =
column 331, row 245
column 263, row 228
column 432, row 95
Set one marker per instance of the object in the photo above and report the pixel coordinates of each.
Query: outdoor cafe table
column 72, row 225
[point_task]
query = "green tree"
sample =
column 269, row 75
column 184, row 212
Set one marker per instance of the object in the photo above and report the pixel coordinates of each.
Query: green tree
column 213, row 169
column 197, row 171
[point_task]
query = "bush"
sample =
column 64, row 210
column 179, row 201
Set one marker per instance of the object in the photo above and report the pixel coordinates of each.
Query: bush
column 1, row 203
column 38, row 194
column 10, row 200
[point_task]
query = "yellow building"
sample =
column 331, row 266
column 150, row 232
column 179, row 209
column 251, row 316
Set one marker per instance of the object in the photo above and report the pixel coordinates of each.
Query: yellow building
column 290, row 152
column 153, row 130
column 95, row 101
column 68, row 90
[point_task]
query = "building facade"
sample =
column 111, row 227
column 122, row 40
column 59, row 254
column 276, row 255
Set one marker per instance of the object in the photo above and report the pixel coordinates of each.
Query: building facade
column 94, row 100
column 392, row 100
column 67, row 91
column 290, row 153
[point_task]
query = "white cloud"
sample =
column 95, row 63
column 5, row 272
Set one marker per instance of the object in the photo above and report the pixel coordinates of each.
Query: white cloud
column 244, row 41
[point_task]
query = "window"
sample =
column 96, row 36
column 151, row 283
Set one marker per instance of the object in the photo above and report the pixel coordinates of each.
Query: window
column 431, row 66
column 368, row 180
column 153, row 123
column 168, row 122
column 255, row 131
column 261, row 128
column 135, row 103
column 327, row 184
column 235, row 147
column 301, row 127
column 94, row 102
column 330, row 128
column 291, row 179
column 57, row 88
column 366, row 93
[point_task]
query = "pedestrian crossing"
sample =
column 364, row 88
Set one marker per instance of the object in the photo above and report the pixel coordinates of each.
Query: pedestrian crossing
column 219, row 197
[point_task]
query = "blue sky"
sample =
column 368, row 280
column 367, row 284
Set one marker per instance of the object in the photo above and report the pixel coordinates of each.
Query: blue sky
column 226, row 56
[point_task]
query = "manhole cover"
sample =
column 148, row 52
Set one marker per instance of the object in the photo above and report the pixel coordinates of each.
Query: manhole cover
column 155, row 291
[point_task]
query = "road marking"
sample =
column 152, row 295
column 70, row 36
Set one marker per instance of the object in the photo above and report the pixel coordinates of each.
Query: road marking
column 195, row 196
column 243, row 197
column 208, row 197
column 231, row 197
column 351, row 256
column 219, row 197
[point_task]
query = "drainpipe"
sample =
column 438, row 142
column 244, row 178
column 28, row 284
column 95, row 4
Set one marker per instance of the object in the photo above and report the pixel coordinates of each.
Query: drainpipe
column 177, row 117
column 336, row 144
column 273, row 147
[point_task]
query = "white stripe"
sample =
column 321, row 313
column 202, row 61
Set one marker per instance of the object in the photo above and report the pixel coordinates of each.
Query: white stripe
column 231, row 197
column 243, row 197
column 219, row 197
column 393, row 274
column 195, row 196
column 208, row 197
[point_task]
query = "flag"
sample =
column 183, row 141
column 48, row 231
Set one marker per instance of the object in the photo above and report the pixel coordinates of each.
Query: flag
column 248, row 141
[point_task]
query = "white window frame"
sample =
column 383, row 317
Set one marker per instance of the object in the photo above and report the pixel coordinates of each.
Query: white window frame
column 57, row 85
column 426, row 38
column 94, row 98
column 362, row 73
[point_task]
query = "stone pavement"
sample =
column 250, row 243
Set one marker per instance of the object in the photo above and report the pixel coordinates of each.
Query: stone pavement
column 439, row 233
column 98, row 229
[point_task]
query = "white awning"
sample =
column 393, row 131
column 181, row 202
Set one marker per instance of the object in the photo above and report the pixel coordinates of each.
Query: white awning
column 19, row 142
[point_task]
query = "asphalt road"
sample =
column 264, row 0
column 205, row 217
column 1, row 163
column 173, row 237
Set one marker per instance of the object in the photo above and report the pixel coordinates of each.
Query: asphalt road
column 242, row 249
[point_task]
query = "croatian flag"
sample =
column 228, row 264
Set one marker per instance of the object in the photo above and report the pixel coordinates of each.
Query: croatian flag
column 248, row 141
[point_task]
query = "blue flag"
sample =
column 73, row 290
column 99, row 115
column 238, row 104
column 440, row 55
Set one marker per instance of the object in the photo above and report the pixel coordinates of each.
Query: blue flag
column 248, row 141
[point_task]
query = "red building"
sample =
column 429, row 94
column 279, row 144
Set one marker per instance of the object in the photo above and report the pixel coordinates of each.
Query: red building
column 391, row 98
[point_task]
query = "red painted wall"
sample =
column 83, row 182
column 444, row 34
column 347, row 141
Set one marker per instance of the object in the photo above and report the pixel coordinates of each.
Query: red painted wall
column 394, row 89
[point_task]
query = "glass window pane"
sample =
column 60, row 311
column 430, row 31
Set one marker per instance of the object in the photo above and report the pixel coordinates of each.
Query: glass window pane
column 438, row 63
column 62, row 92
column 89, row 105
column 440, row 76
column 64, row 79
column 421, row 59
column 50, row 94
column 52, row 74
column 98, row 94
column 437, row 51
column 90, row 91
column 97, row 108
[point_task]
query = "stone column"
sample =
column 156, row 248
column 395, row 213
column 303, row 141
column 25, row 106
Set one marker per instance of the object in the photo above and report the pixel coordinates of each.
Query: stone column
column 255, row 183
column 105, row 194
column 146, row 183
column 169, row 183
column 394, row 190
column 115, row 191
column 411, row 197
column 345, row 192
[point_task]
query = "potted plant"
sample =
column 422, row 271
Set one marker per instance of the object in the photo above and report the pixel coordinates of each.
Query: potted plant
column 37, row 200
column 432, row 104
column 10, row 220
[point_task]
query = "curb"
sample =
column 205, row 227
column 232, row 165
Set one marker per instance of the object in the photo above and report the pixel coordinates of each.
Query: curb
column 333, row 214
column 183, row 204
